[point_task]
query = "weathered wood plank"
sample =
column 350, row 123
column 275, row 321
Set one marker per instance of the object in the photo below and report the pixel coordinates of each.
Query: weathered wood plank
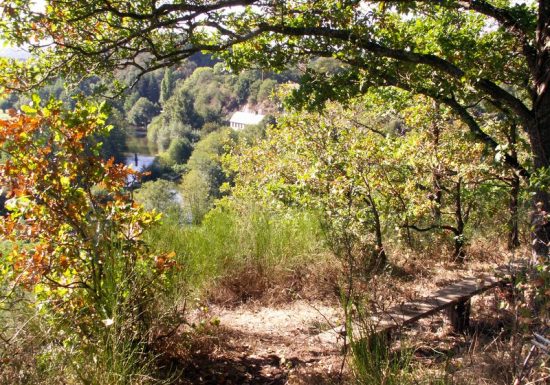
column 410, row 312
column 456, row 296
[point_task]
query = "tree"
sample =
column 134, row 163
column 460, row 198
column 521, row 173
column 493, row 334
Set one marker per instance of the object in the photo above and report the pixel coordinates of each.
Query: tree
column 461, row 53
column 160, row 195
column 206, row 159
column 266, row 89
column 448, row 179
column 114, row 144
column 201, row 185
column 374, row 183
column 179, row 151
column 142, row 112
column 167, row 85
column 324, row 162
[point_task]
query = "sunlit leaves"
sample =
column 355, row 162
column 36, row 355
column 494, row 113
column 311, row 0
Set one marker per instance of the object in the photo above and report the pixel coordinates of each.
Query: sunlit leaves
column 68, row 208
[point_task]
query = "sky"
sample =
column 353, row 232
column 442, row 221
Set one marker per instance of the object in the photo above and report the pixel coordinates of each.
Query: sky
column 18, row 52
column 13, row 52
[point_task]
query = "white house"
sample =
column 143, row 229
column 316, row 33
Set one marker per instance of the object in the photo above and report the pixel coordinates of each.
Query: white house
column 241, row 119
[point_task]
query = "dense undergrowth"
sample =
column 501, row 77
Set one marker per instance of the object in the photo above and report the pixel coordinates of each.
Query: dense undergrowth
column 105, row 297
column 411, row 141
column 240, row 253
column 245, row 249
column 224, row 249
column 243, row 253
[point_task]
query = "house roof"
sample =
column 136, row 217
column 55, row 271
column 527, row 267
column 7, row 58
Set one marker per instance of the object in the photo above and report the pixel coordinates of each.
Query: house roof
column 246, row 118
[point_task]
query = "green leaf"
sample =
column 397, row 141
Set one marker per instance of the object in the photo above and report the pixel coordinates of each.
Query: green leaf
column 28, row 110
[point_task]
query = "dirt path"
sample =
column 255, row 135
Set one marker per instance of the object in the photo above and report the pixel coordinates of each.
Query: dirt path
column 272, row 345
column 292, row 343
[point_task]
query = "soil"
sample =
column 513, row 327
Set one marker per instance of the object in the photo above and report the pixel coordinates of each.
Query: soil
column 292, row 342
column 255, row 344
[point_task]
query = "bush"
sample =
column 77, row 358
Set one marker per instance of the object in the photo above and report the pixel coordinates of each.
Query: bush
column 179, row 151
column 142, row 112
column 196, row 195
column 161, row 196
column 266, row 89
column 201, row 185
column 77, row 259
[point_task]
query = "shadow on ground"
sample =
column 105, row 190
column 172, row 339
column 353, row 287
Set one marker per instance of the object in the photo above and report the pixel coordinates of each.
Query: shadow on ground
column 268, row 370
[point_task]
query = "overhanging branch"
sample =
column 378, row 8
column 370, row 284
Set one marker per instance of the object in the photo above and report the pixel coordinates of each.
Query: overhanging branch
column 484, row 85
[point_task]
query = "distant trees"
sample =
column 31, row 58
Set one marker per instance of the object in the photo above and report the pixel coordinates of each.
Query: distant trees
column 179, row 151
column 160, row 195
column 202, row 182
column 167, row 85
column 204, row 102
column 142, row 112
column 267, row 87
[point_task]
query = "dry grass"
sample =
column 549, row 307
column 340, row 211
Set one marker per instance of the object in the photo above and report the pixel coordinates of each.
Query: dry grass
column 316, row 278
column 263, row 338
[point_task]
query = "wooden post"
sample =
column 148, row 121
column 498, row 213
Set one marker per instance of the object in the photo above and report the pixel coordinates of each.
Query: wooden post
column 459, row 316
column 378, row 342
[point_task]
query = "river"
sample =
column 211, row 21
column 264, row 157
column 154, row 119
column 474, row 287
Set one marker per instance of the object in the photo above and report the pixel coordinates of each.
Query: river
column 138, row 162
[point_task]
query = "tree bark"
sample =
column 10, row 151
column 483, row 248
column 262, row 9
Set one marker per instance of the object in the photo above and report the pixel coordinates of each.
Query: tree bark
column 513, row 226
column 381, row 259
column 436, row 172
column 541, row 199
column 539, row 130
column 459, row 254
column 2, row 203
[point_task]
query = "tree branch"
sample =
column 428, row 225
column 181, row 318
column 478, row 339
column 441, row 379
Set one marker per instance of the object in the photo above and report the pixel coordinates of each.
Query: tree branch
column 433, row 61
column 474, row 127
column 432, row 227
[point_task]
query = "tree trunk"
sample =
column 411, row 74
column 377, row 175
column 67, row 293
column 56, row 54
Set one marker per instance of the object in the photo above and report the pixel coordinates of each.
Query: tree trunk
column 541, row 198
column 539, row 136
column 2, row 203
column 513, row 227
column 539, row 129
column 436, row 172
column 459, row 254
column 381, row 258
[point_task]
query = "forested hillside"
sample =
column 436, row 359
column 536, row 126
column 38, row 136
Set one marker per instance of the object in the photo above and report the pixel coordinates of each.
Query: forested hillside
column 275, row 192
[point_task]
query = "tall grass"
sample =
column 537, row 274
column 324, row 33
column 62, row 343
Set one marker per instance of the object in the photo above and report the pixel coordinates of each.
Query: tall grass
column 374, row 362
column 104, row 341
column 229, row 241
column 116, row 359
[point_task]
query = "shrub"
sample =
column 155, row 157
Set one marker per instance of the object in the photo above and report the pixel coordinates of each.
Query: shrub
column 179, row 151
column 75, row 236
column 161, row 196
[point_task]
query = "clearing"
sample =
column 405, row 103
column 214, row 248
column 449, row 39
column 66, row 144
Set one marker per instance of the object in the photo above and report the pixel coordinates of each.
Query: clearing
column 256, row 344
column 290, row 342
